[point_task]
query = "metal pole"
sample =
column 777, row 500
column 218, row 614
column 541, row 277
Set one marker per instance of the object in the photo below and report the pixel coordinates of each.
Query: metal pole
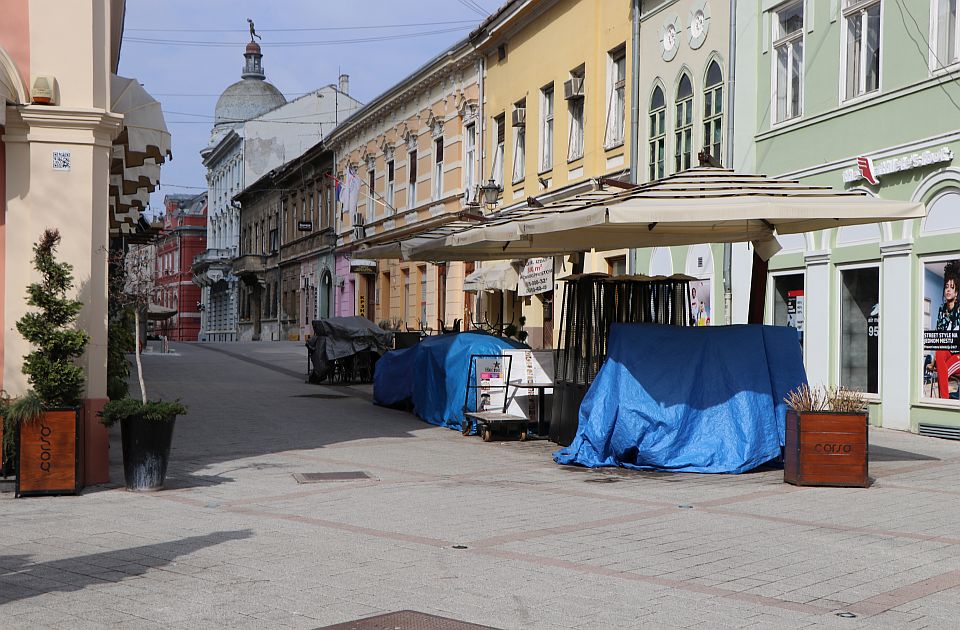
column 731, row 83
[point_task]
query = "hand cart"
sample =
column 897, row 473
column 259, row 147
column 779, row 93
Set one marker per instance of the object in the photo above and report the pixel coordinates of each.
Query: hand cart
column 489, row 417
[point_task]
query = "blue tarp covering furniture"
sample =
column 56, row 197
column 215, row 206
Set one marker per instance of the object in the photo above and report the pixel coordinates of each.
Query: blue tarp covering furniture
column 679, row 399
column 432, row 376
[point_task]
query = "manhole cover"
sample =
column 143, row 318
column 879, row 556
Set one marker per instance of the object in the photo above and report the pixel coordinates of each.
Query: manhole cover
column 407, row 620
column 325, row 396
column 317, row 477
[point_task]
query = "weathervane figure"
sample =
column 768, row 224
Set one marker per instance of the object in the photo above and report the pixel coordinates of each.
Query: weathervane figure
column 253, row 31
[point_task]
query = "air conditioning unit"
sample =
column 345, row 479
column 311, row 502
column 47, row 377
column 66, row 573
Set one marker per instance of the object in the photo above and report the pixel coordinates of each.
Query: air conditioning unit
column 573, row 88
column 359, row 232
column 519, row 117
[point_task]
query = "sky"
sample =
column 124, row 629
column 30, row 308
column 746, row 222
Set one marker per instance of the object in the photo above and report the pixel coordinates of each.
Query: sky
column 186, row 52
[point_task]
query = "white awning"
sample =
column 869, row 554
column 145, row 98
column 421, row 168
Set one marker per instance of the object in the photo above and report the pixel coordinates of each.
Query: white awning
column 702, row 205
column 496, row 276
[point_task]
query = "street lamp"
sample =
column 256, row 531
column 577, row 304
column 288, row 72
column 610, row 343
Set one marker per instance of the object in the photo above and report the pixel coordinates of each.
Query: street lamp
column 491, row 192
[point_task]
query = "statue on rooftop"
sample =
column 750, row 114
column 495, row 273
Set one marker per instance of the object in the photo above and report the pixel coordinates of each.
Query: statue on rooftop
column 253, row 31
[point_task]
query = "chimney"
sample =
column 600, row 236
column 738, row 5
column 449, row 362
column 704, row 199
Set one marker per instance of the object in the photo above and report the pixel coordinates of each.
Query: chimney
column 345, row 83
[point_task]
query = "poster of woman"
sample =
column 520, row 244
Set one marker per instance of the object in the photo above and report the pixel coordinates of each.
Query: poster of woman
column 700, row 310
column 941, row 340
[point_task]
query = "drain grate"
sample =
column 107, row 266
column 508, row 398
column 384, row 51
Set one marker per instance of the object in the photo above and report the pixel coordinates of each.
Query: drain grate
column 407, row 620
column 323, row 396
column 318, row 477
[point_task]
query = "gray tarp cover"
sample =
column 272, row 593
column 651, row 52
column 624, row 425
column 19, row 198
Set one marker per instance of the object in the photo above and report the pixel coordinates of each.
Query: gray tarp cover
column 338, row 337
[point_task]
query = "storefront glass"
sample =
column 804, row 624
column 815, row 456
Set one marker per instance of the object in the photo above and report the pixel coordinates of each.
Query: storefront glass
column 788, row 301
column 860, row 329
column 941, row 328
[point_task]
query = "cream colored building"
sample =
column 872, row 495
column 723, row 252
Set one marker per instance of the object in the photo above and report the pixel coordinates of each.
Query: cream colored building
column 556, row 115
column 55, row 162
column 415, row 149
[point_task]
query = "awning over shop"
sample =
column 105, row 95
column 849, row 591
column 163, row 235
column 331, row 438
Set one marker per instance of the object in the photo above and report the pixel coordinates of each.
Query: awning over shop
column 142, row 146
column 497, row 276
column 702, row 205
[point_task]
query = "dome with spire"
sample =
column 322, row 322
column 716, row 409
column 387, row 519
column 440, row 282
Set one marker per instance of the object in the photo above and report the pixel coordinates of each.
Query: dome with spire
column 248, row 98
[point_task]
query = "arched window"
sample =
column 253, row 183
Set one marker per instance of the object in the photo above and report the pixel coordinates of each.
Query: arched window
column 713, row 111
column 658, row 134
column 683, row 125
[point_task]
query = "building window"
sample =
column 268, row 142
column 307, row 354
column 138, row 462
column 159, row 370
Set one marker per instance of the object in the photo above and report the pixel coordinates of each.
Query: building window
column 546, row 128
column 406, row 298
column 788, row 62
column 616, row 96
column 945, row 29
column 575, row 113
column 470, row 160
column 862, row 47
column 683, row 125
column 274, row 240
column 519, row 141
column 788, row 302
column 713, row 111
column 423, row 297
column 617, row 266
column 658, row 134
column 438, row 168
column 371, row 206
column 498, row 137
column 390, row 186
column 412, row 179
column 860, row 329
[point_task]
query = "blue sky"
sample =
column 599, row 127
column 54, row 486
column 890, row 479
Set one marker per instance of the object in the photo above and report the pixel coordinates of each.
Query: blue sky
column 188, row 77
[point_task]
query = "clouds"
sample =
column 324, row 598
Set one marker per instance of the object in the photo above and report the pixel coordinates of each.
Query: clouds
column 188, row 77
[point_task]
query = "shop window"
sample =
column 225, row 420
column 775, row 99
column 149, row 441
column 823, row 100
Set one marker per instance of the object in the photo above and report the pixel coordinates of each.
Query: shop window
column 423, row 297
column 788, row 301
column 683, row 125
column 861, row 47
column 658, row 135
column 617, row 266
column 941, row 328
column 788, row 61
column 860, row 329
column 945, row 28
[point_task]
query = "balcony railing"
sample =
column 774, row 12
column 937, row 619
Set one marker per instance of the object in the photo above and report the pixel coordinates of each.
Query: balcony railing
column 215, row 255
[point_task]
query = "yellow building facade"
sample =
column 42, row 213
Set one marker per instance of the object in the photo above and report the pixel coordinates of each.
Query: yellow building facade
column 556, row 113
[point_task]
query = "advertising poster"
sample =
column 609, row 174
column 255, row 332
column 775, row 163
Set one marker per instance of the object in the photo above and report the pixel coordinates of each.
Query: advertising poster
column 941, row 329
column 536, row 277
column 700, row 310
column 529, row 366
column 491, row 380
column 795, row 311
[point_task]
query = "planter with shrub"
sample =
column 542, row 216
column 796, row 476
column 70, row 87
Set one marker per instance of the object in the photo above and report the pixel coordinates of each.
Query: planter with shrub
column 146, row 432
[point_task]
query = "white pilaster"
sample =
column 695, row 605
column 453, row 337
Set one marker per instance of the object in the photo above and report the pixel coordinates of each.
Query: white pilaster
column 896, row 309
column 816, row 318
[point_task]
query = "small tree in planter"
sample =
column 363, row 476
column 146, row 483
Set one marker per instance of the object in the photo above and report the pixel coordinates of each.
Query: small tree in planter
column 826, row 437
column 146, row 427
column 47, row 416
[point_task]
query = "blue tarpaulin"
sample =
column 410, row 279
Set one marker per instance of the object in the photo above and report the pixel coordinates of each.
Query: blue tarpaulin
column 679, row 399
column 432, row 375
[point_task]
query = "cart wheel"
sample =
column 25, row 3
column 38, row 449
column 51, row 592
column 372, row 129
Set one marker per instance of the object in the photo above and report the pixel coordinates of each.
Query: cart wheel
column 465, row 427
column 487, row 435
column 523, row 434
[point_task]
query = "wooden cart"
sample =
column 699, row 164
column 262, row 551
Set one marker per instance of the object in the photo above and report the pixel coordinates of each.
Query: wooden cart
column 490, row 419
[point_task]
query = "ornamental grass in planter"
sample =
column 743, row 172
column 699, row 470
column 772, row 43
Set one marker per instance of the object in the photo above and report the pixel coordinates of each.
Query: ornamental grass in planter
column 826, row 438
column 47, row 417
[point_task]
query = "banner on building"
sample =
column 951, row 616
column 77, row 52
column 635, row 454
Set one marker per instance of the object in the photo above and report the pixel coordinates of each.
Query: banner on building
column 941, row 329
column 700, row 308
column 350, row 195
column 536, row 277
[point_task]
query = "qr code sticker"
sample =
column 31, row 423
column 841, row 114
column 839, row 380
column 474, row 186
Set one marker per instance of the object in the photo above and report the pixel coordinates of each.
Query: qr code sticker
column 61, row 160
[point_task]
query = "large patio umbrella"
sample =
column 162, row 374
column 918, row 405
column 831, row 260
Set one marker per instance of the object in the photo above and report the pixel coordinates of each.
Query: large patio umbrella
column 702, row 205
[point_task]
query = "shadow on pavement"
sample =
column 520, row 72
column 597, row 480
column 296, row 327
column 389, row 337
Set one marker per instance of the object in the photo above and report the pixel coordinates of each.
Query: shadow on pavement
column 249, row 402
column 884, row 454
column 22, row 579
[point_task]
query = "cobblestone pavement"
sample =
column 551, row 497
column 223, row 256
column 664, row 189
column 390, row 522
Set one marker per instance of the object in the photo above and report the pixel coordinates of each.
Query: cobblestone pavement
column 236, row 542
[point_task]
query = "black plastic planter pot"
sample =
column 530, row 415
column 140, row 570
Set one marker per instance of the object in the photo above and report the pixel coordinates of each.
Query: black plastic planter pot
column 146, row 451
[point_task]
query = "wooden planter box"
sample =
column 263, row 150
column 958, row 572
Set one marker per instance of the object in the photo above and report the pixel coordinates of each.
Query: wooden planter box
column 48, row 454
column 826, row 449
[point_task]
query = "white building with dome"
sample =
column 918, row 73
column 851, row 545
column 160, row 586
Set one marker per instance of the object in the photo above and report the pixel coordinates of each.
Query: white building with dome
column 255, row 130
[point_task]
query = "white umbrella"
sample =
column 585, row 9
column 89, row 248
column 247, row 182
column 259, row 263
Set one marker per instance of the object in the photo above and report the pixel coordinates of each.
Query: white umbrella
column 497, row 276
column 702, row 205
